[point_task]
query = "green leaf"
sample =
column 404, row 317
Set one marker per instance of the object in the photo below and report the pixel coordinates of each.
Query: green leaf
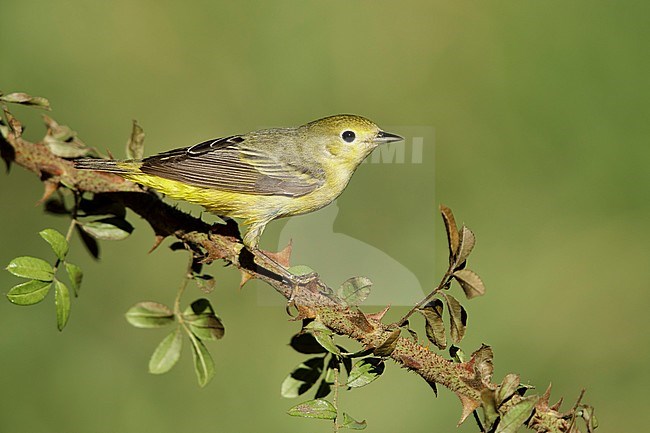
column 57, row 241
column 25, row 99
column 29, row 293
column 325, row 340
column 323, row 336
column 203, row 363
column 203, row 322
column 435, row 327
column 507, row 388
column 467, row 241
column 319, row 409
column 354, row 290
column 365, row 371
column 470, row 282
column 135, row 145
column 315, row 325
column 352, row 424
column 62, row 301
column 301, row 270
column 31, row 267
column 167, row 353
column 517, row 415
column 149, row 315
column 108, row 229
column 302, row 378
column 457, row 318
column 76, row 275
column 305, row 342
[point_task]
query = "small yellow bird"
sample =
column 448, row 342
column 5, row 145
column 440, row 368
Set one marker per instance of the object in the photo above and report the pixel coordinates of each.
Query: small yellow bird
column 262, row 175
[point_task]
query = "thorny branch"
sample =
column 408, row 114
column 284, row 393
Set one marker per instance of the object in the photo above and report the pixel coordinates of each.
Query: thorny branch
column 471, row 380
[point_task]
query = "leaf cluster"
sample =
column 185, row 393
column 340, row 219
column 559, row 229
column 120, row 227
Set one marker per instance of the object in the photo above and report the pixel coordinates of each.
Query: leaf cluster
column 325, row 370
column 461, row 243
column 198, row 322
column 41, row 276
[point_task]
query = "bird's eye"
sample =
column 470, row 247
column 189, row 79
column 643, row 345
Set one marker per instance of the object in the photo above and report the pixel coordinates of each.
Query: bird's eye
column 348, row 136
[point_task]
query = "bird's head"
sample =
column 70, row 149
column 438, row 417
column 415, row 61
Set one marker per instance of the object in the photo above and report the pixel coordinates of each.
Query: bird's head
column 347, row 138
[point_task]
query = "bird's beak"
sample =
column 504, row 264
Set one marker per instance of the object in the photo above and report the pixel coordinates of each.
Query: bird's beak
column 387, row 137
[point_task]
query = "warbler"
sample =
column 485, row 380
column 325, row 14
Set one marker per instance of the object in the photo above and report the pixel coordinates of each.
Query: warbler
column 261, row 175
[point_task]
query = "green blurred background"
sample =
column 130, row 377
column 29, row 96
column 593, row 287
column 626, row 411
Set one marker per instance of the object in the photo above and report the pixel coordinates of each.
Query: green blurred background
column 540, row 112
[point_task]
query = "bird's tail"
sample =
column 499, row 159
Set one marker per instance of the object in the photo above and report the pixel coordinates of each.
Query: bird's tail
column 107, row 165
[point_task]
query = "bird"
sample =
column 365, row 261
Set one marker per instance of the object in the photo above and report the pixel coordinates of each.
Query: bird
column 261, row 175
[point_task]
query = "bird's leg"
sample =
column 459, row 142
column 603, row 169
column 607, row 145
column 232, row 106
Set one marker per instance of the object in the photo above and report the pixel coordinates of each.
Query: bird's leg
column 295, row 282
column 251, row 239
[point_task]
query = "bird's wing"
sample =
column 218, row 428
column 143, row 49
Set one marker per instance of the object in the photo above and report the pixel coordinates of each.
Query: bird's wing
column 228, row 164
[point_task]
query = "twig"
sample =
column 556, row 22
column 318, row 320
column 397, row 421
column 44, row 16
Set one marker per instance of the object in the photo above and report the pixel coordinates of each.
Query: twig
column 443, row 283
column 575, row 408
column 336, row 397
column 478, row 422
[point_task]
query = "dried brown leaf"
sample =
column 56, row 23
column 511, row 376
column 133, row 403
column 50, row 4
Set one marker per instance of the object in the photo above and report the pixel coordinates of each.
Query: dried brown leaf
column 507, row 388
column 135, row 144
column 517, row 415
column 14, row 123
column 283, row 256
column 482, row 362
column 435, row 327
column 388, row 346
column 470, row 282
column 457, row 318
column 467, row 242
column 453, row 238
column 62, row 140
column 490, row 413
column 25, row 99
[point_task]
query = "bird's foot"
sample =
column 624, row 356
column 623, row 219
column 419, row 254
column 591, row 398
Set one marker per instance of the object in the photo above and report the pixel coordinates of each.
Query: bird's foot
column 297, row 283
